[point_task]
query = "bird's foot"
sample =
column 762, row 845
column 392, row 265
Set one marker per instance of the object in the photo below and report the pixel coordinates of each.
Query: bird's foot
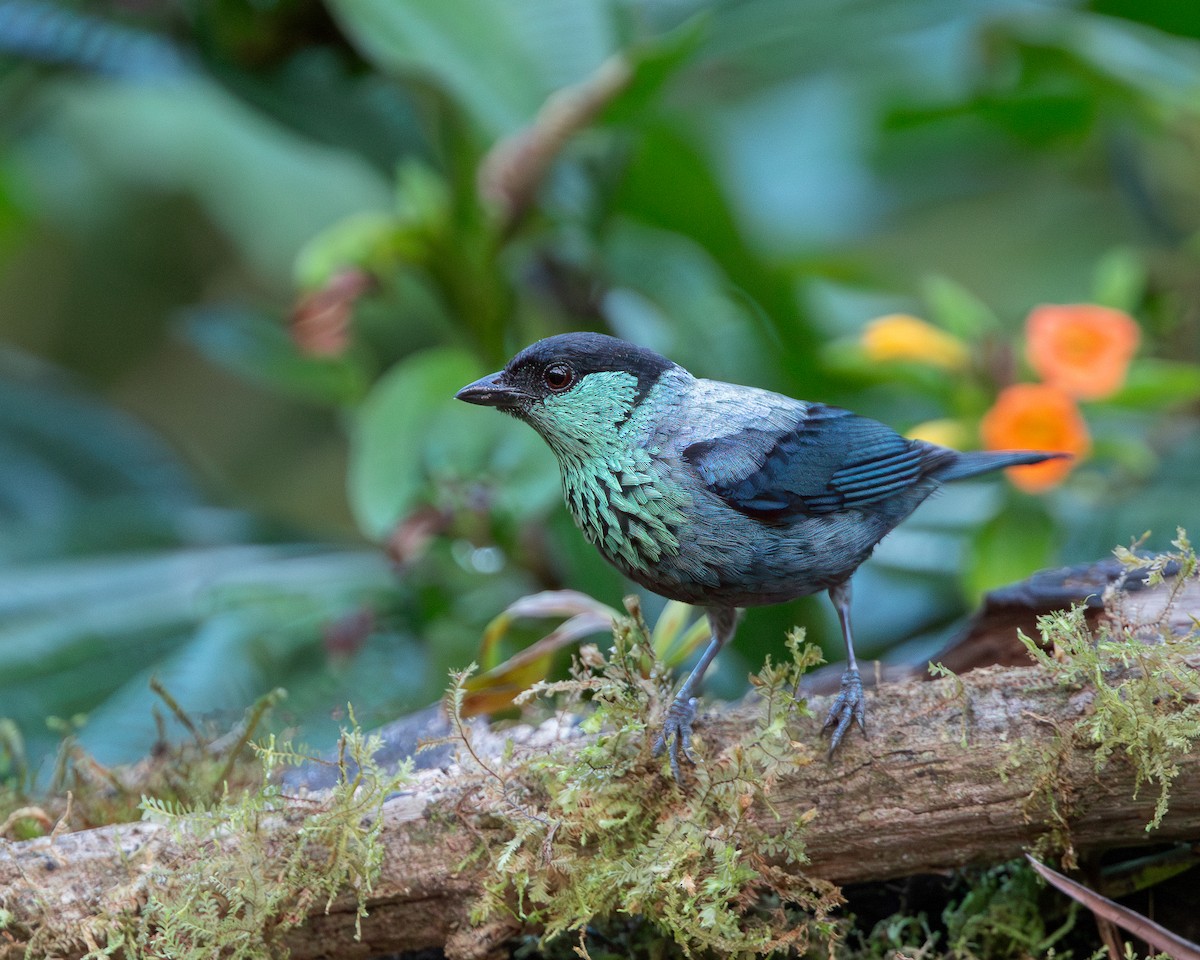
column 849, row 706
column 676, row 736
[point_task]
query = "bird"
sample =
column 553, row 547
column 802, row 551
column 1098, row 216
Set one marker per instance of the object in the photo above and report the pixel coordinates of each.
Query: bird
column 720, row 495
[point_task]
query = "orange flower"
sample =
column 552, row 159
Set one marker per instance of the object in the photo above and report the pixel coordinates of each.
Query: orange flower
column 1082, row 349
column 899, row 336
column 1035, row 416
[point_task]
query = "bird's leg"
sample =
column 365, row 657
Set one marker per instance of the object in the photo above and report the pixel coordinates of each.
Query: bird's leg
column 850, row 704
column 676, row 736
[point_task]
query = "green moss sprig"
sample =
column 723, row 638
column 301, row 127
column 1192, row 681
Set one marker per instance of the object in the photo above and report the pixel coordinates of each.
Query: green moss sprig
column 1146, row 705
column 600, row 830
column 253, row 881
column 247, row 868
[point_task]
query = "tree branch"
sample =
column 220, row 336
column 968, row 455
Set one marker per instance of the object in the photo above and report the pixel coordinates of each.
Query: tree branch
column 910, row 798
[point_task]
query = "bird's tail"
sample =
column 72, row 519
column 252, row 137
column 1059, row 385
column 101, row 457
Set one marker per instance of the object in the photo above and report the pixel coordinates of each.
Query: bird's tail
column 964, row 465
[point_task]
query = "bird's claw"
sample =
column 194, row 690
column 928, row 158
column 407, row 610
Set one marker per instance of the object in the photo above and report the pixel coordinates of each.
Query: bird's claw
column 849, row 706
column 676, row 736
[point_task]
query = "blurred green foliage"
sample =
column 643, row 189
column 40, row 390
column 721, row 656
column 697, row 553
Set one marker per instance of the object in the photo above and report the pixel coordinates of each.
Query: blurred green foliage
column 420, row 188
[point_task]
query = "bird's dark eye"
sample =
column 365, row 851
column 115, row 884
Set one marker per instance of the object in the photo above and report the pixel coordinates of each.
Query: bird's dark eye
column 558, row 376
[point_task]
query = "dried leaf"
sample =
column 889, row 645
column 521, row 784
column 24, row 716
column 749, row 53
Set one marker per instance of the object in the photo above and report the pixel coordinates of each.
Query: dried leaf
column 548, row 603
column 498, row 687
column 1158, row 937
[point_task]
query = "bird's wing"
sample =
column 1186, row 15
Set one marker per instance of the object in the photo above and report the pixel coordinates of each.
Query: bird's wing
column 829, row 459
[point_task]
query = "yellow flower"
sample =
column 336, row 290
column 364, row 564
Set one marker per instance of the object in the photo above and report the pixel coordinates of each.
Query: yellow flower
column 945, row 433
column 899, row 336
column 1035, row 416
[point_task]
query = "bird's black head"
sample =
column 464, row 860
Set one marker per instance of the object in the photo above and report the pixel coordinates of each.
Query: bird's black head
column 571, row 384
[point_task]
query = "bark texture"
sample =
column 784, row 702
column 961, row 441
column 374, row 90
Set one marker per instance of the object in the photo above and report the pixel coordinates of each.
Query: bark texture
column 910, row 798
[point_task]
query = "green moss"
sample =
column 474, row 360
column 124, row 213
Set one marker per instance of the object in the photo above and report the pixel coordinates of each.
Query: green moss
column 997, row 913
column 249, row 886
column 601, row 831
column 1146, row 706
column 247, row 868
column 194, row 772
column 1005, row 915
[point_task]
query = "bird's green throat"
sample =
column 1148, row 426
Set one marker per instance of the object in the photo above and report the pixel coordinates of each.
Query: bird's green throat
column 614, row 487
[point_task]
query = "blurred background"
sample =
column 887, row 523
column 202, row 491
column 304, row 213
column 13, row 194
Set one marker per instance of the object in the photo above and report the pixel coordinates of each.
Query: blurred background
column 250, row 248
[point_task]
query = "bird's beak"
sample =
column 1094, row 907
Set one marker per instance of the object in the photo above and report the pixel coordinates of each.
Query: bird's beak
column 491, row 391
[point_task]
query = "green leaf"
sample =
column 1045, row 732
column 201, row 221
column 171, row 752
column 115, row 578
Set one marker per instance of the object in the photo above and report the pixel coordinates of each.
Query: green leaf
column 1016, row 543
column 380, row 242
column 1120, row 280
column 423, row 199
column 266, row 188
column 956, row 310
column 68, row 459
column 101, row 584
column 75, row 631
column 12, row 217
column 259, row 349
column 1159, row 70
column 414, row 443
column 673, row 194
column 387, row 477
column 671, row 295
column 213, row 672
column 361, row 240
column 1158, row 384
column 258, row 621
column 499, row 61
column 653, row 64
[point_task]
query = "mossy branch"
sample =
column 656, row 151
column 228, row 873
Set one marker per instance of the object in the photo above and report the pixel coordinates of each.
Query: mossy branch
column 912, row 797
